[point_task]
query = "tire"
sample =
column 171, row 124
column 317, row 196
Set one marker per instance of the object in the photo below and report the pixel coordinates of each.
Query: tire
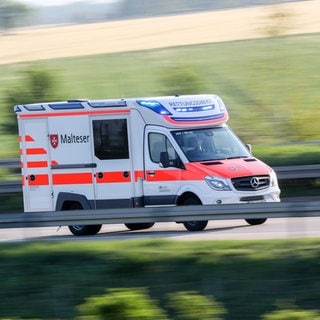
column 255, row 222
column 194, row 225
column 83, row 230
column 139, row 226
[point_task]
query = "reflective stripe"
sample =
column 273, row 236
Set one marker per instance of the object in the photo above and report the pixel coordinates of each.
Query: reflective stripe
column 37, row 164
column 40, row 180
column 28, row 138
column 139, row 174
column 32, row 151
column 108, row 177
column 113, row 177
column 72, row 178
column 163, row 175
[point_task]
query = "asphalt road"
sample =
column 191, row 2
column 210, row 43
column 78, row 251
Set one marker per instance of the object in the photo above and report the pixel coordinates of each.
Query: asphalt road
column 281, row 228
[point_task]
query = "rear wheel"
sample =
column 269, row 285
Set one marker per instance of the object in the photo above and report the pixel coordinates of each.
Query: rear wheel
column 139, row 226
column 255, row 222
column 194, row 225
column 83, row 230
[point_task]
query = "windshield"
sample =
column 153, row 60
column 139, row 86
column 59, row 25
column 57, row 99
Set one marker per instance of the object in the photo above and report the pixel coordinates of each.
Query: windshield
column 210, row 144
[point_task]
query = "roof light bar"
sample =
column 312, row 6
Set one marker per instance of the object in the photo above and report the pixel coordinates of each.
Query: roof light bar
column 155, row 106
column 194, row 109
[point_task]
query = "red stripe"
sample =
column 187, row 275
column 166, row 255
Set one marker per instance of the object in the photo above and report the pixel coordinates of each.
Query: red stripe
column 37, row 164
column 29, row 138
column 112, row 177
column 139, row 174
column 163, row 175
column 77, row 113
column 72, row 178
column 31, row 151
column 40, row 180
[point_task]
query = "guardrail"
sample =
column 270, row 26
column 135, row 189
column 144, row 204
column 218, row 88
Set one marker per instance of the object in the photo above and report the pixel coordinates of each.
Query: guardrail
column 162, row 214
column 298, row 172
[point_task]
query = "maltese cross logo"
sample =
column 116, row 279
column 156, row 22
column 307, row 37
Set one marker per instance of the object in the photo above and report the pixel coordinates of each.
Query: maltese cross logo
column 54, row 140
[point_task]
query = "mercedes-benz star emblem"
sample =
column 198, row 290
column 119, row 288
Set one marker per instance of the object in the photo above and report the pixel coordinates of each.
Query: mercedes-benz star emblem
column 254, row 182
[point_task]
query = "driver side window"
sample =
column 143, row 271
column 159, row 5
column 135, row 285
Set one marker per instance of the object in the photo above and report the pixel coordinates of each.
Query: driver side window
column 161, row 148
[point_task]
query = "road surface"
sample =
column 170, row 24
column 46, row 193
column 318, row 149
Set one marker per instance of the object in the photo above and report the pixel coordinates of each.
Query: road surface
column 281, row 228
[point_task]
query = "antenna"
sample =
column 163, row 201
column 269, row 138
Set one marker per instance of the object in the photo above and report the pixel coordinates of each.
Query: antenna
column 122, row 86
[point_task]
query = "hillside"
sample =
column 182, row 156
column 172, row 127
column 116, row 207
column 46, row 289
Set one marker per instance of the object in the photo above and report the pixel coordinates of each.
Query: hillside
column 166, row 31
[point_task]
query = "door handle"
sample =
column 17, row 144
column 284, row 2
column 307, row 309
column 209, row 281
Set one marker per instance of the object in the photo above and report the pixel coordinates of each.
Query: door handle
column 126, row 174
column 100, row 175
column 151, row 173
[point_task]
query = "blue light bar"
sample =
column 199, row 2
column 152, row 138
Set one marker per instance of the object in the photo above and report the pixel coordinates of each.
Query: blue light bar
column 155, row 106
column 194, row 109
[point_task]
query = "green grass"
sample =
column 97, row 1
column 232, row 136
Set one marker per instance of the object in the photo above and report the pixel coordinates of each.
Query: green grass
column 269, row 85
column 288, row 155
column 47, row 280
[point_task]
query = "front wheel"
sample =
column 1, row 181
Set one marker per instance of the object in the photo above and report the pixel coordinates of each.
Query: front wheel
column 255, row 222
column 83, row 230
column 194, row 225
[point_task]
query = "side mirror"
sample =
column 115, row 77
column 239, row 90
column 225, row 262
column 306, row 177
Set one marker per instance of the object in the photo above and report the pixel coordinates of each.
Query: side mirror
column 164, row 160
column 249, row 147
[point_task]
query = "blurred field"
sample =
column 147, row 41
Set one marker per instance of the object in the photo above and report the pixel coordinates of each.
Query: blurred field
column 271, row 85
column 170, row 31
column 57, row 276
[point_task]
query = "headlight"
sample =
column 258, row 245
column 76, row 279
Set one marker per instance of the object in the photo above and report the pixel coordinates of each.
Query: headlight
column 273, row 179
column 218, row 184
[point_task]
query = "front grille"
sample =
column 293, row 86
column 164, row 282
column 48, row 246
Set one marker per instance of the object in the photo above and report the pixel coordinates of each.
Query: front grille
column 251, row 183
column 252, row 198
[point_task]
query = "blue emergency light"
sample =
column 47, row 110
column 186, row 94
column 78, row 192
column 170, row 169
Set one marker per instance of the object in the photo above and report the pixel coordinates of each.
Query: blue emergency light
column 155, row 106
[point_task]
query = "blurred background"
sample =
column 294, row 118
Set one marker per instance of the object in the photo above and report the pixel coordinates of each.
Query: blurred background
column 262, row 58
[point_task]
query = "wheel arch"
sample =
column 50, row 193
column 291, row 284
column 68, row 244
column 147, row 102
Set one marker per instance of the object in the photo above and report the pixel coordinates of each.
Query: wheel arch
column 66, row 199
column 188, row 194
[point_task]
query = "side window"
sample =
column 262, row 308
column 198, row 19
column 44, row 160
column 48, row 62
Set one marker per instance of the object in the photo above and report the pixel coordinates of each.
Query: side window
column 110, row 139
column 159, row 143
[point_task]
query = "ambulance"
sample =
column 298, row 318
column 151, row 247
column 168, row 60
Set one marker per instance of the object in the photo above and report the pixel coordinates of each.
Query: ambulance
column 137, row 152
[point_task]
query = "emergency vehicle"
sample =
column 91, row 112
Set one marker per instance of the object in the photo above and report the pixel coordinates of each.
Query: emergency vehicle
column 137, row 152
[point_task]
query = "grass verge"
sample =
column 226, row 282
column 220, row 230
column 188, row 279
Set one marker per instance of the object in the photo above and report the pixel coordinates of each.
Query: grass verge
column 47, row 280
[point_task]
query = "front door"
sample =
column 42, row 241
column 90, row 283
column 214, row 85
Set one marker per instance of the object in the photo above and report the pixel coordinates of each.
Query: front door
column 162, row 170
column 113, row 175
column 37, row 190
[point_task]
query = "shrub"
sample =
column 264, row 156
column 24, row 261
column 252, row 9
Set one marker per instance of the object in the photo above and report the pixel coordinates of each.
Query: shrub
column 292, row 314
column 121, row 304
column 190, row 305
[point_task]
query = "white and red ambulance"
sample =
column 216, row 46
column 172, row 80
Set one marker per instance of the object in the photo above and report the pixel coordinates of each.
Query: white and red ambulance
column 159, row 151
